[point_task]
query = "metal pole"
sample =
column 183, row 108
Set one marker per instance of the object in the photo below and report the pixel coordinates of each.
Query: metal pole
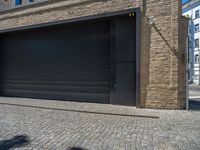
column 187, row 75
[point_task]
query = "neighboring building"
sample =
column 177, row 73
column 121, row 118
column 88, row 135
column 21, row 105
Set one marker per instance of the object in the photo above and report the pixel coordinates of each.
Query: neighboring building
column 192, row 11
column 125, row 52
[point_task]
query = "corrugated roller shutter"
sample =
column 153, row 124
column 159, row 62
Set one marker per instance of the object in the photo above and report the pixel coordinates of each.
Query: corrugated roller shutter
column 66, row 62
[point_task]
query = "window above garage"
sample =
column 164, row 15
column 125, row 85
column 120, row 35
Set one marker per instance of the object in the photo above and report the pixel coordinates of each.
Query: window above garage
column 18, row 2
column 12, row 4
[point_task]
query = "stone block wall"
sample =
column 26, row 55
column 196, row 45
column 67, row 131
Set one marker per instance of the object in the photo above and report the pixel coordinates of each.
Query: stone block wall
column 165, row 85
column 4, row 5
column 183, row 31
column 162, row 56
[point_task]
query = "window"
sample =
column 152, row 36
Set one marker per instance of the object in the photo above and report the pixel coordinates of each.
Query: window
column 196, row 58
column 18, row 2
column 196, row 77
column 197, row 14
column 196, row 43
column 196, row 29
column 30, row 1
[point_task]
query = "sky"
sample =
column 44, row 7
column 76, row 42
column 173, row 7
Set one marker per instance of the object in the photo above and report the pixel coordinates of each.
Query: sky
column 184, row 1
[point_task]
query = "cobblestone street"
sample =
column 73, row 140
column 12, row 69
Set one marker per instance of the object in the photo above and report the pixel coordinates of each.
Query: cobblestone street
column 42, row 124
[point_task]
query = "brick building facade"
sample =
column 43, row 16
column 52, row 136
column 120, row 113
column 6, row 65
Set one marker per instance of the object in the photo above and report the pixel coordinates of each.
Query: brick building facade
column 161, row 41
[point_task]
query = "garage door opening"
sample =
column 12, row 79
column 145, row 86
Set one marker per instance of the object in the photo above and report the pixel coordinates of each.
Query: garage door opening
column 86, row 61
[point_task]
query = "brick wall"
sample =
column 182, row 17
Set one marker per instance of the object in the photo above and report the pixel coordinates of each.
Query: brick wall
column 162, row 60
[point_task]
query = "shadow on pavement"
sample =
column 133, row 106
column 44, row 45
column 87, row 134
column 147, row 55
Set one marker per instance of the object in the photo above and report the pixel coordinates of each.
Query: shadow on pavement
column 15, row 142
column 194, row 104
column 76, row 148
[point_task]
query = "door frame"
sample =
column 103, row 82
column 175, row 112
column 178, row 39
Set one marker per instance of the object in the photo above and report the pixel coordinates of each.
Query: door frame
column 102, row 16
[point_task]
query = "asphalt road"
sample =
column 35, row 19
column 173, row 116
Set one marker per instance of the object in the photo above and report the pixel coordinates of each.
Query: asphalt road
column 194, row 96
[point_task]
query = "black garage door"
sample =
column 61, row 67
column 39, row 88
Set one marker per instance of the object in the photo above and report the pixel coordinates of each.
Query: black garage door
column 67, row 62
column 93, row 61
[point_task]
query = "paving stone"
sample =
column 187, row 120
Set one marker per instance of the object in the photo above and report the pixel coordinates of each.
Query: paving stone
column 60, row 129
